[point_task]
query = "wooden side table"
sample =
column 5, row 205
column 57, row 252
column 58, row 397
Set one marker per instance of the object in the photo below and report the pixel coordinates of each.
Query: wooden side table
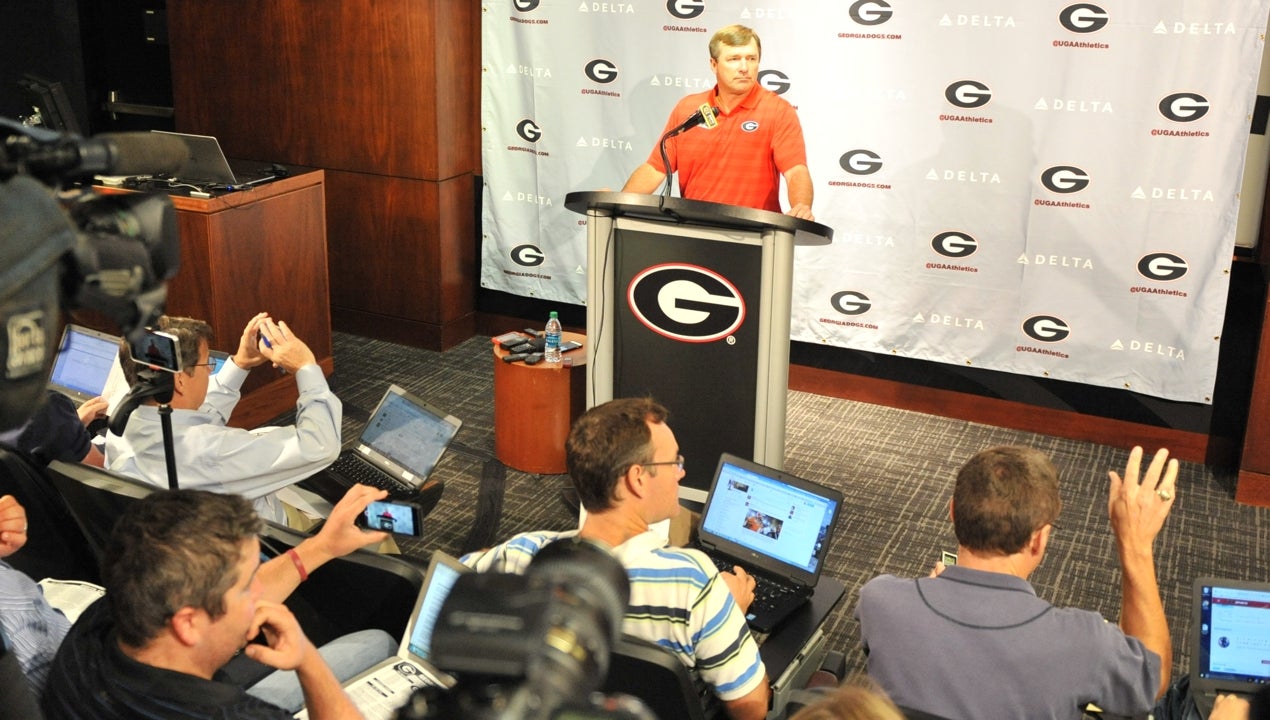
column 534, row 407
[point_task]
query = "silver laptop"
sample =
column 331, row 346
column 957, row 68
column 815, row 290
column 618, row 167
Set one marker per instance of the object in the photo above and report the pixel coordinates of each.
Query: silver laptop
column 1230, row 639
column 208, row 165
column 380, row 691
column 83, row 363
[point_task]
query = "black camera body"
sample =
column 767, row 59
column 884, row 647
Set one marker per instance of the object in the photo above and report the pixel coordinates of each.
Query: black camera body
column 533, row 646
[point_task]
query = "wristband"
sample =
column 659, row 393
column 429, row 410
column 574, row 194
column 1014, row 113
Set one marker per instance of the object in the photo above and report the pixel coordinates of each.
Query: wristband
column 299, row 564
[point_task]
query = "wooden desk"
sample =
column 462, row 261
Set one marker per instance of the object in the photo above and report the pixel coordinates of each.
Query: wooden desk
column 534, row 407
column 253, row 250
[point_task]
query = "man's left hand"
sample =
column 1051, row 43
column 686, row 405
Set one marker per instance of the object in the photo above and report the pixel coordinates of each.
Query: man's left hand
column 248, row 355
column 287, row 644
column 12, row 526
column 801, row 211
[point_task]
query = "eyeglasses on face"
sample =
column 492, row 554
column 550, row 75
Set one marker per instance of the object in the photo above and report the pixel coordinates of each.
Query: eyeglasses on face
column 677, row 461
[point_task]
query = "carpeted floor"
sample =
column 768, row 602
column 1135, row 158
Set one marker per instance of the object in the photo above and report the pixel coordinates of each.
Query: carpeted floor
column 894, row 467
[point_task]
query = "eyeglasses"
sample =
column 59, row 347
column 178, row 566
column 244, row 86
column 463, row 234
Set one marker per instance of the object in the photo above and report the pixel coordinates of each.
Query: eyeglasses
column 678, row 461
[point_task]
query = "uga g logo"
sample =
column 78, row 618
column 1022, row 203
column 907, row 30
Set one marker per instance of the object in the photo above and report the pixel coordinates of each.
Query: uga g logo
column 527, row 255
column 1184, row 107
column 968, row 94
column 1162, row 266
column 1083, row 18
column 1046, row 328
column 525, row 5
column 686, row 302
column 954, row 244
column 774, row 80
column 871, row 12
column 1064, row 179
column 851, row 302
column 601, row 71
column 529, row 131
column 860, row 162
column 685, row 9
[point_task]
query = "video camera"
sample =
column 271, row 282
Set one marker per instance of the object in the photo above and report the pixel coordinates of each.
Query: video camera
column 533, row 646
column 63, row 247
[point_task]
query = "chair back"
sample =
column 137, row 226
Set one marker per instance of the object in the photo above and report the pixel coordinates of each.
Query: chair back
column 19, row 697
column 655, row 675
column 55, row 547
column 96, row 498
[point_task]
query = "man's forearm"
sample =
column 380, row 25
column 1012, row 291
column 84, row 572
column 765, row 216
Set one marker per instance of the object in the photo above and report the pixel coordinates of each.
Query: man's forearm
column 1142, row 611
column 323, row 696
column 798, row 186
column 645, row 180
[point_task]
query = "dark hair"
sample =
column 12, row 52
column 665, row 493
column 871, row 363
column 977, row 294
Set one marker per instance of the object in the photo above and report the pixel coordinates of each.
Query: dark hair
column 605, row 442
column 190, row 334
column 172, row 549
column 1003, row 495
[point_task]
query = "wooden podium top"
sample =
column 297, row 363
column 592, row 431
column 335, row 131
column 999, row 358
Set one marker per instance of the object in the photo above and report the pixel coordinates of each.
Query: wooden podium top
column 697, row 212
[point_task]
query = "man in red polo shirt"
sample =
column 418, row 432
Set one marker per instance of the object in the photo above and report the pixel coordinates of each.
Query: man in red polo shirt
column 757, row 140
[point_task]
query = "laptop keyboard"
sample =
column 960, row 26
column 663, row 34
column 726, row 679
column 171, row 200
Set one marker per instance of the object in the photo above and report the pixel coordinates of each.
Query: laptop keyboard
column 358, row 472
column 768, row 595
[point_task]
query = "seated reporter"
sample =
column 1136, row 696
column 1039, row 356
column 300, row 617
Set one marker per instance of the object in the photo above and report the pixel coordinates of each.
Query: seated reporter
column 185, row 592
column 209, row 454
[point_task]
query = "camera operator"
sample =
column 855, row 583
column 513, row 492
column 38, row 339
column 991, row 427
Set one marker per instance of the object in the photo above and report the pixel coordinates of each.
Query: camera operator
column 625, row 465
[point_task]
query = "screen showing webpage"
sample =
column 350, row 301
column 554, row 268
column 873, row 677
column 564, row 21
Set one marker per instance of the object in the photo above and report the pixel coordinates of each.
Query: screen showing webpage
column 1235, row 634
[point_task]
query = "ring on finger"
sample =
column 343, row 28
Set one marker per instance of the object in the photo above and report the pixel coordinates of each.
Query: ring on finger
column 1164, row 494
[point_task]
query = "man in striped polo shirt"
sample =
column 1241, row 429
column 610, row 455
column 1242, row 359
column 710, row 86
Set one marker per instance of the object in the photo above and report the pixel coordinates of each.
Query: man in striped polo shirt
column 626, row 467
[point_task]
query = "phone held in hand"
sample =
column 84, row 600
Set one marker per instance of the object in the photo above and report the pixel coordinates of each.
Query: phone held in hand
column 948, row 558
column 394, row 516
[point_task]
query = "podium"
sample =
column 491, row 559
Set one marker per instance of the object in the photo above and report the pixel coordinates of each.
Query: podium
column 688, row 302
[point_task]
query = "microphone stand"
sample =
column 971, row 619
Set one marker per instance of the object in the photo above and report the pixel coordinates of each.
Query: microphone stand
column 159, row 385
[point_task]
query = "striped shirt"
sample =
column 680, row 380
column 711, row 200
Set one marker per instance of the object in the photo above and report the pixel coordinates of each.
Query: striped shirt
column 677, row 600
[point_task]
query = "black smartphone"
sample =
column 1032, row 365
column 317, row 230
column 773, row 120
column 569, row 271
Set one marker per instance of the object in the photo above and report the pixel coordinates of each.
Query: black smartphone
column 159, row 350
column 392, row 516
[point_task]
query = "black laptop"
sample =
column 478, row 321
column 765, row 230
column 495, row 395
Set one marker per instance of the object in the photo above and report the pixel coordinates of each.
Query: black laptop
column 398, row 449
column 1230, row 639
column 773, row 524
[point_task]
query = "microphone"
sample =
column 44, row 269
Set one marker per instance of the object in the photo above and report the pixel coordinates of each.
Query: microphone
column 705, row 115
column 139, row 153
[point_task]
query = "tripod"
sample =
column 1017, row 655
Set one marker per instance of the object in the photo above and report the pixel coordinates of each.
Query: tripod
column 159, row 385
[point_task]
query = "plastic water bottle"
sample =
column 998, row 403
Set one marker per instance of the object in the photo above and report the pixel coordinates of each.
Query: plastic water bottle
column 551, row 344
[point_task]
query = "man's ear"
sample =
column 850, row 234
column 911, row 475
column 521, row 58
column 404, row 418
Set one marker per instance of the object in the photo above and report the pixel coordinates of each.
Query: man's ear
column 950, row 510
column 178, row 383
column 1040, row 540
column 635, row 482
column 187, row 625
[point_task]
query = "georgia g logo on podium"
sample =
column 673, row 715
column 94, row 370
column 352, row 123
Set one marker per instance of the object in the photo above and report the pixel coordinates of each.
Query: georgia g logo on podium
column 686, row 302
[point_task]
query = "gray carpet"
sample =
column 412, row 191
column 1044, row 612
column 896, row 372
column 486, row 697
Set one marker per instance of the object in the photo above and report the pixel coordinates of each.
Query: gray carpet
column 894, row 467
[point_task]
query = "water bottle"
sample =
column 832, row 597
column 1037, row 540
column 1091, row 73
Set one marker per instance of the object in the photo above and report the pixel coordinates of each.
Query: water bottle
column 551, row 344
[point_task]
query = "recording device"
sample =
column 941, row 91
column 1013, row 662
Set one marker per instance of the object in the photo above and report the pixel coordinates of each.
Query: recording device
column 705, row 115
column 533, row 646
column 392, row 516
column 80, row 249
column 158, row 350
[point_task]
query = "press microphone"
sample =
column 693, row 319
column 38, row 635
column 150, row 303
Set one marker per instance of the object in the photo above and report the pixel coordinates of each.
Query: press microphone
column 139, row 153
column 705, row 115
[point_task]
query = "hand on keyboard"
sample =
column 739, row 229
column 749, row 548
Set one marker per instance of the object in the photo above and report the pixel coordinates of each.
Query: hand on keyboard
column 741, row 584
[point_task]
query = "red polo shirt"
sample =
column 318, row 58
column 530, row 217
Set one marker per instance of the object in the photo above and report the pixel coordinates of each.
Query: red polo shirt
column 739, row 161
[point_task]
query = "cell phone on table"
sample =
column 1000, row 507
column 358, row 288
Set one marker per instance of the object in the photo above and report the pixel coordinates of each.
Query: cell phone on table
column 392, row 516
column 568, row 345
column 948, row 558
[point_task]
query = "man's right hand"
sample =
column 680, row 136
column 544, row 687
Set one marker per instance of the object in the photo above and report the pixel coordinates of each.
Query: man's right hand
column 12, row 526
column 287, row 647
column 339, row 535
column 248, row 356
column 741, row 584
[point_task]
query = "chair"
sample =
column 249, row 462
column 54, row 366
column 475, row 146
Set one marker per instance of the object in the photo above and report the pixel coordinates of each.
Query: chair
column 19, row 698
column 55, row 546
column 95, row 497
column 655, row 675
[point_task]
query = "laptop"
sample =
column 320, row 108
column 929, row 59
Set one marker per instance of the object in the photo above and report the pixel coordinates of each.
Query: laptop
column 1230, row 639
column 83, row 364
column 398, row 449
column 207, row 163
column 381, row 690
column 774, row 525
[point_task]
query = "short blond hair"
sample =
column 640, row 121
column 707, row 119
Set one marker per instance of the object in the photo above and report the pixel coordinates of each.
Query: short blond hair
column 734, row 36
column 859, row 698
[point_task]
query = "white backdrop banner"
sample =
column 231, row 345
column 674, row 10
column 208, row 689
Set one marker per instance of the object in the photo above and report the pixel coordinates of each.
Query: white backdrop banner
column 1036, row 187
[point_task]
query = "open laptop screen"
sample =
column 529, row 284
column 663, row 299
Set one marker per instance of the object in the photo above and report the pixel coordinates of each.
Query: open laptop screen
column 771, row 514
column 1233, row 634
column 83, row 361
column 407, row 432
column 441, row 578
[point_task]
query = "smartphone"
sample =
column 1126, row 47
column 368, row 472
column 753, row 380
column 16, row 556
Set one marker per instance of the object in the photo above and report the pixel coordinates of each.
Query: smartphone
column 568, row 345
column 159, row 350
column 392, row 516
column 948, row 558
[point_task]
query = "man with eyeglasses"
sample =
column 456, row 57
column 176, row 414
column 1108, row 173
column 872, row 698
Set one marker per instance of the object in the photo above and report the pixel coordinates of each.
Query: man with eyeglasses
column 973, row 640
column 625, row 464
column 212, row 456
